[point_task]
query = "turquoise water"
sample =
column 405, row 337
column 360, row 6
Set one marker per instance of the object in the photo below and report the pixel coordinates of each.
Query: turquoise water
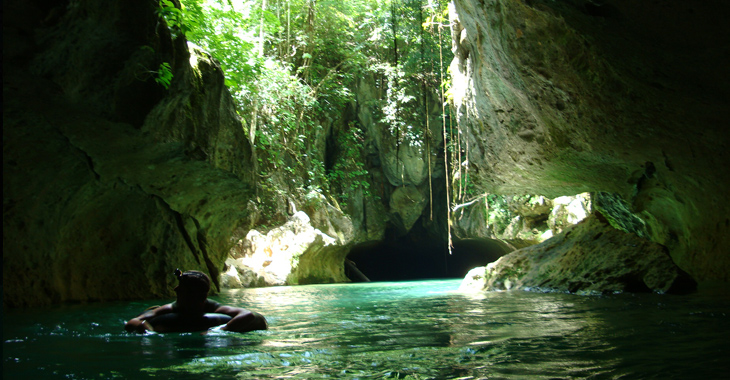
column 399, row 330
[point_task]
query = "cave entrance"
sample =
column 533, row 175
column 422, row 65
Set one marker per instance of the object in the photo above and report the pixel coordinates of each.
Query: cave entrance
column 416, row 257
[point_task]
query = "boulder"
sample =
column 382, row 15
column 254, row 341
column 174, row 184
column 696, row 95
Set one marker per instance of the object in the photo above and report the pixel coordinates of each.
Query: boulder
column 567, row 211
column 590, row 257
column 294, row 253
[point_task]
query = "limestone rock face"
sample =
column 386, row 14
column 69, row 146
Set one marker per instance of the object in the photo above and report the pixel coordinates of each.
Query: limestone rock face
column 398, row 162
column 408, row 203
column 328, row 219
column 590, row 256
column 560, row 98
column 568, row 211
column 402, row 157
column 199, row 113
column 292, row 254
column 520, row 221
column 108, row 176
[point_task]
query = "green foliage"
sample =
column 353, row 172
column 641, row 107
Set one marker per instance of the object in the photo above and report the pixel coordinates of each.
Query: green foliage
column 176, row 18
column 348, row 174
column 503, row 208
column 464, row 182
column 406, row 44
column 228, row 36
column 164, row 75
column 291, row 66
column 498, row 212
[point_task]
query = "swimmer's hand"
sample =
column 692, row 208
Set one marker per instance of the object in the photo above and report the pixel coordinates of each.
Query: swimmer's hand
column 138, row 325
column 242, row 320
column 147, row 326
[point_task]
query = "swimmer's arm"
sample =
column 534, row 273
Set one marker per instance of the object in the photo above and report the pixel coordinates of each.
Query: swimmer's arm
column 241, row 319
column 139, row 324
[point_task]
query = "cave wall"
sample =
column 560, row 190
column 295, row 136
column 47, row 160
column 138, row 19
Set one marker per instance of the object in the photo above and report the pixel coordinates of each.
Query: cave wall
column 110, row 180
column 406, row 172
column 563, row 97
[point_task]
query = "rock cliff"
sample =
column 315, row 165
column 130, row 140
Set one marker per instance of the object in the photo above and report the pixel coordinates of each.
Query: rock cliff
column 111, row 181
column 626, row 98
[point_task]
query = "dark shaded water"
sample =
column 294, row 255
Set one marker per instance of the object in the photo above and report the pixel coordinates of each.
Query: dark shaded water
column 405, row 330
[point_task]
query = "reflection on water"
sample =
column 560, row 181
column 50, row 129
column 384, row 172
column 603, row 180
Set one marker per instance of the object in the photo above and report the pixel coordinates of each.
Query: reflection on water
column 415, row 330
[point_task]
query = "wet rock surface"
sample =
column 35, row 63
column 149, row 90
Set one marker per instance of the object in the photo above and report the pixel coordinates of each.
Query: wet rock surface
column 589, row 257
column 292, row 254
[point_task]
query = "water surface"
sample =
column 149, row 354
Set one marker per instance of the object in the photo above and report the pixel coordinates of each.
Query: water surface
column 399, row 330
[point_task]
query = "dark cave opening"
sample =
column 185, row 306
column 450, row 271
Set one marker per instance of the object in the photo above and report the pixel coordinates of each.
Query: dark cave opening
column 417, row 257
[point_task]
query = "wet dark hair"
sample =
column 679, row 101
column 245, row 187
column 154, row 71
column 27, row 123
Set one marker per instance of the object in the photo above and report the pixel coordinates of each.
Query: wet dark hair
column 193, row 281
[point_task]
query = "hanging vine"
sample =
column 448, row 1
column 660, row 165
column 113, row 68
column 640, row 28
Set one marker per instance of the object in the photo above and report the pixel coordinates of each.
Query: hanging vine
column 445, row 132
column 426, row 113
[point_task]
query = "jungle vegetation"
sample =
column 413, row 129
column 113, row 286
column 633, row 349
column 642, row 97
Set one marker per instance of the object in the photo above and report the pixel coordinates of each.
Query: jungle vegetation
column 293, row 67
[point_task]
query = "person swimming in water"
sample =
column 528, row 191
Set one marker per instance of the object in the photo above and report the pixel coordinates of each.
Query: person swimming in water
column 193, row 311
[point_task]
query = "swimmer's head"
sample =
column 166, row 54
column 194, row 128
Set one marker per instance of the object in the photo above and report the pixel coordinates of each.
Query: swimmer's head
column 192, row 282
